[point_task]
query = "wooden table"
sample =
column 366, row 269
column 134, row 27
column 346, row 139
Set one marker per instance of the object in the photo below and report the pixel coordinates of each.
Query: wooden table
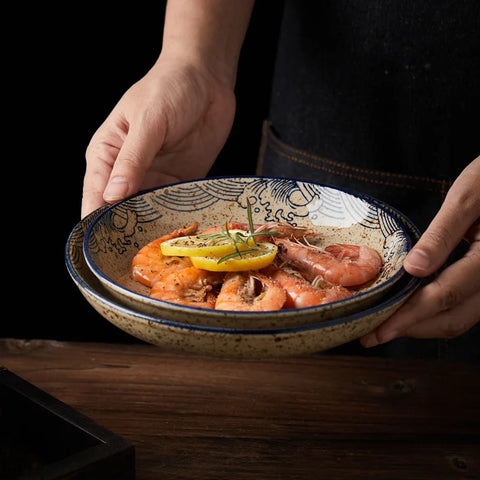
column 315, row 417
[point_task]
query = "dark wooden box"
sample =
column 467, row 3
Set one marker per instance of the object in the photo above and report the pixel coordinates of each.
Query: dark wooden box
column 43, row 438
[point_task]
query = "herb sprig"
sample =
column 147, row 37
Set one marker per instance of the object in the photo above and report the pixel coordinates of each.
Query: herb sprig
column 238, row 238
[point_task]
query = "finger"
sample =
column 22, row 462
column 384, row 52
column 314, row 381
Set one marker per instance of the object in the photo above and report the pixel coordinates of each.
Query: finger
column 458, row 212
column 101, row 154
column 141, row 144
column 452, row 287
column 450, row 323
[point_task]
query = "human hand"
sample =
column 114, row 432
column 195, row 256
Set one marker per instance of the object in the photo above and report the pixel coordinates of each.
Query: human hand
column 170, row 126
column 449, row 305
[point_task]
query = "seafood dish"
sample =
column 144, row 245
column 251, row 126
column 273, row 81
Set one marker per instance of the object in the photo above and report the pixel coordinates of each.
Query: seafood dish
column 223, row 333
column 247, row 267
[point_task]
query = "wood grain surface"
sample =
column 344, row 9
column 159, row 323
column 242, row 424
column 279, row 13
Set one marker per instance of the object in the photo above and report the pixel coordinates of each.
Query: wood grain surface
column 318, row 416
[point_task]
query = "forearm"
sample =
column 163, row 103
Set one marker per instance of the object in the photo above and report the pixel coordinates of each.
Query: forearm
column 208, row 31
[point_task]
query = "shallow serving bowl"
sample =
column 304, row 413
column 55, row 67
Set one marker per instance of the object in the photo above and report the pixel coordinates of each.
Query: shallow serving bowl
column 220, row 341
column 118, row 232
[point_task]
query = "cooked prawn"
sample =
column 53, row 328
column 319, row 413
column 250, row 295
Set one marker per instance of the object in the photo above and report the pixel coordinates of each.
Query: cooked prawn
column 149, row 264
column 301, row 293
column 346, row 265
column 189, row 286
column 239, row 292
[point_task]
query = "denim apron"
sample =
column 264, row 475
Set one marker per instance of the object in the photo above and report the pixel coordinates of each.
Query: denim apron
column 379, row 97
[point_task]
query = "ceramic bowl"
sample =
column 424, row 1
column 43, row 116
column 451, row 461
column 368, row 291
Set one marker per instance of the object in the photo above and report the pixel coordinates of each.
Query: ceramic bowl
column 226, row 342
column 118, row 232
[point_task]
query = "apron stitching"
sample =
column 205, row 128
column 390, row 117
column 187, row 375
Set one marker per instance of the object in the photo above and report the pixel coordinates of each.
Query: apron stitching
column 442, row 182
column 445, row 186
column 348, row 175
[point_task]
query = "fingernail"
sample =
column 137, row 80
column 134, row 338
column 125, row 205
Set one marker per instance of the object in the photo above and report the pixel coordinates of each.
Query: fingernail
column 372, row 339
column 369, row 340
column 418, row 259
column 388, row 336
column 117, row 189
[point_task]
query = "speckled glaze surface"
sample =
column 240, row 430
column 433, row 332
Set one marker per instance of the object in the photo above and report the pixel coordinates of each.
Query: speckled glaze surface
column 225, row 342
column 118, row 232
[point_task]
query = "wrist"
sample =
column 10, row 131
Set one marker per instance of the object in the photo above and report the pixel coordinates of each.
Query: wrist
column 208, row 34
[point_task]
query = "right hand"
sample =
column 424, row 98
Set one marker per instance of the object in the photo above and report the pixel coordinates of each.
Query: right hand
column 168, row 127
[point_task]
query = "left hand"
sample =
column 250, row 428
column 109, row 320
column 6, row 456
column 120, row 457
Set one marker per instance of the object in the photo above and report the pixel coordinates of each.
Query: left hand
column 449, row 305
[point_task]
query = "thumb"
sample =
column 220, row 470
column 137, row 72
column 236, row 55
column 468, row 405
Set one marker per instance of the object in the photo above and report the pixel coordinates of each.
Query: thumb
column 430, row 252
column 133, row 161
column 455, row 217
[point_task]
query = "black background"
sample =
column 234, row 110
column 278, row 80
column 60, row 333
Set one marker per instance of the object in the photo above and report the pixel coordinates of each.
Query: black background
column 64, row 70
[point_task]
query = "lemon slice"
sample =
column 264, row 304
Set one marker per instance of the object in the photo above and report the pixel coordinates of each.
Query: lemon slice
column 200, row 246
column 251, row 260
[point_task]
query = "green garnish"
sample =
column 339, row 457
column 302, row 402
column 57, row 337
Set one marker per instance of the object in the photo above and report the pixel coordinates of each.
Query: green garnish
column 238, row 238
